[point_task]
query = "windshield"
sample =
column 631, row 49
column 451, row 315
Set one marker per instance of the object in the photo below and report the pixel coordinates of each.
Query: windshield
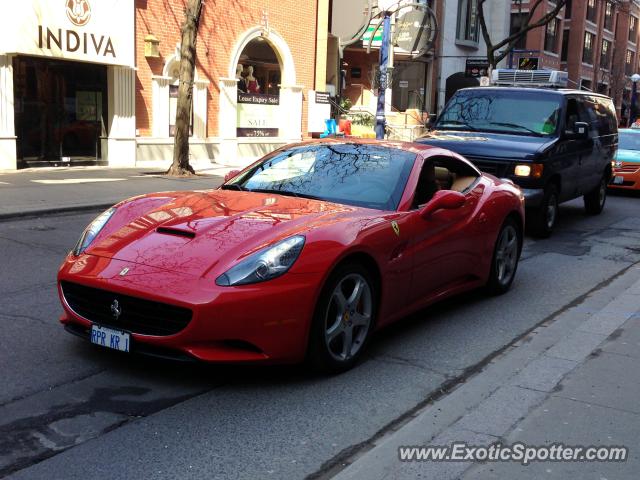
column 369, row 176
column 628, row 140
column 508, row 111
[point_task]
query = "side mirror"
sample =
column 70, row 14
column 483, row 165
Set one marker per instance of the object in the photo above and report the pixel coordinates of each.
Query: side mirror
column 443, row 200
column 580, row 131
column 231, row 174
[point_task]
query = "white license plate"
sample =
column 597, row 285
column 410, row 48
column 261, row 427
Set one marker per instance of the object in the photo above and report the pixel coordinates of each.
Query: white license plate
column 618, row 180
column 109, row 338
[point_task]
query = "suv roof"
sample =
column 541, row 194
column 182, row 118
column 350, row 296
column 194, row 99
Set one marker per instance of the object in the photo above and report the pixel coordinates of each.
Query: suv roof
column 559, row 91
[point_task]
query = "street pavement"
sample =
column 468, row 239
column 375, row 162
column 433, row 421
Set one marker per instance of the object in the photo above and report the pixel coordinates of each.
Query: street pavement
column 44, row 190
column 68, row 410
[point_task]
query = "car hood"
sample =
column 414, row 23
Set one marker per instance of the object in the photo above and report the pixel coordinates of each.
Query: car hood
column 488, row 145
column 631, row 156
column 192, row 232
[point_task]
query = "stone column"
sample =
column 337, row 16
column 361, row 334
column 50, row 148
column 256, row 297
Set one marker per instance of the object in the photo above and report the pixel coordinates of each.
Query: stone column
column 8, row 159
column 228, row 121
column 291, row 112
column 121, row 143
column 160, row 113
column 200, row 109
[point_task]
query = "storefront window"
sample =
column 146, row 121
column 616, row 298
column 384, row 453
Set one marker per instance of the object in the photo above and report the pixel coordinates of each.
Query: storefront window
column 259, row 77
column 60, row 111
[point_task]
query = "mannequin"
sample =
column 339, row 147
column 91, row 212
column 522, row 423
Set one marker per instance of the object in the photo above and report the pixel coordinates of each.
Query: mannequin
column 242, row 85
column 252, row 84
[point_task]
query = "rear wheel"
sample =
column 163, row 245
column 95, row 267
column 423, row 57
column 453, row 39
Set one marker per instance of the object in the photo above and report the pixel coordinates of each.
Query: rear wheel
column 594, row 200
column 506, row 255
column 343, row 319
column 542, row 220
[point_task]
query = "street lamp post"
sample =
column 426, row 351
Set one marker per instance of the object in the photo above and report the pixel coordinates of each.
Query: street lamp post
column 382, row 77
column 633, row 108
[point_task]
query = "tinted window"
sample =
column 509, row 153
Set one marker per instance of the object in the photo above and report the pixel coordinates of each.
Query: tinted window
column 507, row 111
column 600, row 115
column 353, row 174
column 629, row 140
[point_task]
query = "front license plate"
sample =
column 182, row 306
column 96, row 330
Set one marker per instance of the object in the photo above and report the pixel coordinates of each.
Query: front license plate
column 109, row 338
column 618, row 180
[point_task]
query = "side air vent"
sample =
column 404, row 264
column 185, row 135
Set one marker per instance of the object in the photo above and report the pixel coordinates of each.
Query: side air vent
column 176, row 231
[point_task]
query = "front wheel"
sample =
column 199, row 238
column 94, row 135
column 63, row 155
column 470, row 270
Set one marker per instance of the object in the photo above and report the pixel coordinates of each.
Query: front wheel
column 542, row 220
column 594, row 200
column 506, row 255
column 343, row 319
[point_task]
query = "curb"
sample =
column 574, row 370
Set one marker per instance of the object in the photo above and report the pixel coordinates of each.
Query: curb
column 54, row 211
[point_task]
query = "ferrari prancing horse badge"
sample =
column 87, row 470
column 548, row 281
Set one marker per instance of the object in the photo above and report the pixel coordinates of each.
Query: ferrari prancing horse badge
column 396, row 227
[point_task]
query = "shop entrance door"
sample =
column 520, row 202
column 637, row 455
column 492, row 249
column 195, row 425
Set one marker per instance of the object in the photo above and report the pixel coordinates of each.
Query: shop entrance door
column 60, row 112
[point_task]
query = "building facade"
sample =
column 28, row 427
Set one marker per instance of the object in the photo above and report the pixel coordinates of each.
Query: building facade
column 77, row 90
column 595, row 41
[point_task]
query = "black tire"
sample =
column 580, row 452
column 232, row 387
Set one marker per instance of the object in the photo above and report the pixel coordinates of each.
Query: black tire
column 500, row 280
column 542, row 220
column 322, row 353
column 595, row 200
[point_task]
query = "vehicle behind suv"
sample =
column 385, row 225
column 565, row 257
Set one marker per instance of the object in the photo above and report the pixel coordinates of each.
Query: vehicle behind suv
column 556, row 144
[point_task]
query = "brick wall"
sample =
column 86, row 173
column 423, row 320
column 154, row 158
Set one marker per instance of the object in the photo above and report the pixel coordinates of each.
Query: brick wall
column 222, row 23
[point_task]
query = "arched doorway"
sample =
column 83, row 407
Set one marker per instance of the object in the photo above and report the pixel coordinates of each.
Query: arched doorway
column 457, row 81
column 259, row 76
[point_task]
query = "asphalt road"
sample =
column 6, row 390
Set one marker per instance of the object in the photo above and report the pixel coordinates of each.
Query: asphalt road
column 69, row 410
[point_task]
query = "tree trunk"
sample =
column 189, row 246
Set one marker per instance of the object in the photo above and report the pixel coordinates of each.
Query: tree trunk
column 189, row 31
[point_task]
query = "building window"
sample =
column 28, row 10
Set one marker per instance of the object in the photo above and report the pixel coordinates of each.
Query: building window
column 608, row 16
column 567, row 9
column 628, row 62
column 605, row 54
column 467, row 21
column 633, row 29
column 592, row 11
column 517, row 22
column 587, row 50
column 551, row 36
column 565, row 45
column 585, row 84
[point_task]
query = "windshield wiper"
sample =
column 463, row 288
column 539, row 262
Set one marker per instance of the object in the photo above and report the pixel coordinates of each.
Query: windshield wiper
column 232, row 186
column 515, row 125
column 287, row 193
column 456, row 122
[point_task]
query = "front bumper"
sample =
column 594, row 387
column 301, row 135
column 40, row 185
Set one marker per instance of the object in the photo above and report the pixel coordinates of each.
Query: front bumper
column 265, row 323
column 533, row 197
column 630, row 175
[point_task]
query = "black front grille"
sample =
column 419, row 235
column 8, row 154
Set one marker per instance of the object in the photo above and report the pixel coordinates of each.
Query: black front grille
column 136, row 315
column 497, row 168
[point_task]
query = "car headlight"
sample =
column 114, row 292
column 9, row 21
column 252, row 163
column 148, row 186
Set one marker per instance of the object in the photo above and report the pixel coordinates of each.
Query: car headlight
column 92, row 230
column 265, row 264
column 531, row 169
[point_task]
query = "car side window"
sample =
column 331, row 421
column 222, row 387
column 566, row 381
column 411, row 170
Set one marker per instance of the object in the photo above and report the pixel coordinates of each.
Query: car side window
column 443, row 173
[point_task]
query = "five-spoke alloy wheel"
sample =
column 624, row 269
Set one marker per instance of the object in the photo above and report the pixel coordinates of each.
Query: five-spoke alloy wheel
column 343, row 320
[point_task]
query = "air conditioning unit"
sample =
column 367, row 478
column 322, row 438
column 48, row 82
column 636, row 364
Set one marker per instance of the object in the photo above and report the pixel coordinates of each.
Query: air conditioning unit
column 530, row 78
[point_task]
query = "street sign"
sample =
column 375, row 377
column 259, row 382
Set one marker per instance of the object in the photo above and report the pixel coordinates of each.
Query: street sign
column 528, row 63
column 476, row 67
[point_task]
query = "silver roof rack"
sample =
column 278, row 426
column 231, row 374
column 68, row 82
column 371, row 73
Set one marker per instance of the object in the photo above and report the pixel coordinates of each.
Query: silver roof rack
column 530, row 78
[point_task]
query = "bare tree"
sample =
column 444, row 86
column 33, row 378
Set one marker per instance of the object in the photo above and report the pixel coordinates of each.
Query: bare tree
column 189, row 33
column 498, row 50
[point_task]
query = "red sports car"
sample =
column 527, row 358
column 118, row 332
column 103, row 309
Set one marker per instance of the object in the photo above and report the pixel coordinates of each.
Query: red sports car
column 301, row 255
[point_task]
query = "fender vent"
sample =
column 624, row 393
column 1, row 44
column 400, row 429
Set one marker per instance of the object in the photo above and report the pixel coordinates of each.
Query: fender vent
column 176, row 231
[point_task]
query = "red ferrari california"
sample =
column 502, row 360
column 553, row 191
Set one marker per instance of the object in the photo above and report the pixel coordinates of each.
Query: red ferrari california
column 302, row 255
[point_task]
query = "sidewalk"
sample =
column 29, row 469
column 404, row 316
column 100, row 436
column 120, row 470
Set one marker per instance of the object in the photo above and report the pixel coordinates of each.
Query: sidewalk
column 573, row 380
column 39, row 191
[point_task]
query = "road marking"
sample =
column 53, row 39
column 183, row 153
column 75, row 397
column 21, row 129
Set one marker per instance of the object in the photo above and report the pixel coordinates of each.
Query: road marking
column 66, row 181
column 5, row 183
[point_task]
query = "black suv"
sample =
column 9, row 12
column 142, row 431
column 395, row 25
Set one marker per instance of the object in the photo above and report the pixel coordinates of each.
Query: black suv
column 556, row 144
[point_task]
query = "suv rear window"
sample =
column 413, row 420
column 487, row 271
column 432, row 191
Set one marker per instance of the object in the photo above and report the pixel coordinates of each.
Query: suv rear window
column 502, row 111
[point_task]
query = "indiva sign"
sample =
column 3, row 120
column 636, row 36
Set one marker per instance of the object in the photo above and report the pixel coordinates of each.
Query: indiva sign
column 71, row 41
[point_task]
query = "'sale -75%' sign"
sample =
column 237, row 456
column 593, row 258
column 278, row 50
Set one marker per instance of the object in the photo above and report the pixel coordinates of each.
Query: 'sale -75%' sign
column 258, row 115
